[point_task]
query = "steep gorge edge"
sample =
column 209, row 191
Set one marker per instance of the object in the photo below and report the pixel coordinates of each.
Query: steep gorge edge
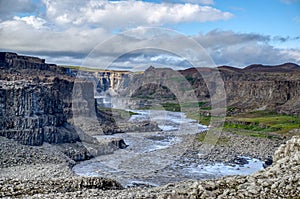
column 36, row 105
column 43, row 124
column 273, row 88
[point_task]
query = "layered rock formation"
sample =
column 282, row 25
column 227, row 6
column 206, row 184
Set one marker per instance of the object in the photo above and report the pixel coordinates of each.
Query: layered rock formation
column 254, row 87
column 33, row 113
column 111, row 79
column 30, row 187
column 38, row 102
column 34, row 107
column 13, row 61
column 273, row 88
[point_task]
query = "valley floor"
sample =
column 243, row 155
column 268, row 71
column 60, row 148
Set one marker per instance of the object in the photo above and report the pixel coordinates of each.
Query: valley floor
column 38, row 172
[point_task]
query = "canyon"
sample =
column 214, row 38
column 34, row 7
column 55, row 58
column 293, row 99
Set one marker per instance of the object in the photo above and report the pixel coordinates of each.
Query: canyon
column 255, row 87
column 41, row 102
column 51, row 116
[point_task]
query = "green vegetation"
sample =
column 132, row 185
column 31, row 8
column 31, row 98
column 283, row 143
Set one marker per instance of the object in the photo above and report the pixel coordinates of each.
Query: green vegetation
column 202, row 119
column 71, row 67
column 80, row 68
column 177, row 79
column 262, row 123
column 191, row 80
column 191, row 109
column 170, row 106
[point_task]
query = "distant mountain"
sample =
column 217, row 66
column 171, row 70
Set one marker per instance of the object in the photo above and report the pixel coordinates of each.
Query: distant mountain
column 286, row 67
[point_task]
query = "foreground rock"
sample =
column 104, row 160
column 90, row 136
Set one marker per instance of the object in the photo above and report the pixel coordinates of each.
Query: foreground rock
column 231, row 146
column 281, row 180
column 16, row 187
column 14, row 154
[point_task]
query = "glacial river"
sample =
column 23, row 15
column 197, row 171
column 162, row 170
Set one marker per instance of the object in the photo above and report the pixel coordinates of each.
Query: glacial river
column 152, row 158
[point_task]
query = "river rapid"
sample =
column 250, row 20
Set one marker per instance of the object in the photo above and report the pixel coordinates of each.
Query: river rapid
column 153, row 158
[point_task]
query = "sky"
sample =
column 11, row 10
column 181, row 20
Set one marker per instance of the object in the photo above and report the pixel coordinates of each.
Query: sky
column 76, row 32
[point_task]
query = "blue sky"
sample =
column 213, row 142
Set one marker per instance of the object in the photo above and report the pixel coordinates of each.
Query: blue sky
column 269, row 17
column 233, row 32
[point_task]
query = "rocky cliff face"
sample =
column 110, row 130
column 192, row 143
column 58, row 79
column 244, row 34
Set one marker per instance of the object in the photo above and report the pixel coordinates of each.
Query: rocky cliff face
column 273, row 88
column 36, row 101
column 111, row 79
column 261, row 87
column 36, row 97
column 33, row 113
column 43, row 103
column 13, row 61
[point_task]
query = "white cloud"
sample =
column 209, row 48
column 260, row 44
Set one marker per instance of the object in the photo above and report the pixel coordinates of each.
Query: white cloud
column 70, row 29
column 207, row 2
column 29, row 34
column 35, row 22
column 119, row 14
column 242, row 49
column 293, row 54
column 216, row 38
column 74, row 43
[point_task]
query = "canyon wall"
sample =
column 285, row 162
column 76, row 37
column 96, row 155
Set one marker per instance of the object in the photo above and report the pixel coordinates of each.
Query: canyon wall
column 13, row 61
column 274, row 88
column 33, row 113
column 268, row 89
column 115, row 80
column 36, row 98
column 36, row 101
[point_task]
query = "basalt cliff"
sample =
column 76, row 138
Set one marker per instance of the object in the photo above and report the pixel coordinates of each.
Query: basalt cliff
column 36, row 105
column 255, row 87
column 35, row 101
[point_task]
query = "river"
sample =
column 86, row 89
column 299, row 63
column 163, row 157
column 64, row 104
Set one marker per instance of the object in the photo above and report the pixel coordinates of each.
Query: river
column 153, row 158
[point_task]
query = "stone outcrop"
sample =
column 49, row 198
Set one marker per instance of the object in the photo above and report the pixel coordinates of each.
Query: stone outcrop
column 255, row 87
column 38, row 102
column 13, row 61
column 142, row 126
column 266, row 89
column 120, row 143
column 260, row 87
column 33, row 113
column 43, row 103
column 13, row 188
column 111, row 79
column 280, row 180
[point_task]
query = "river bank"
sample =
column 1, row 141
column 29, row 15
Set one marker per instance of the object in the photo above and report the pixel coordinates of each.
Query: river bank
column 280, row 180
column 151, row 159
column 176, row 154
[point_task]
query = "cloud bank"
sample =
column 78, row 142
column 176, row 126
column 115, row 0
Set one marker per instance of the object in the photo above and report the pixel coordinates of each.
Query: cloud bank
column 64, row 32
column 116, row 14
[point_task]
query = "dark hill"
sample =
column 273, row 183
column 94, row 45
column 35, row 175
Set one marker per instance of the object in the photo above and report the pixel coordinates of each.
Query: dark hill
column 286, row 67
